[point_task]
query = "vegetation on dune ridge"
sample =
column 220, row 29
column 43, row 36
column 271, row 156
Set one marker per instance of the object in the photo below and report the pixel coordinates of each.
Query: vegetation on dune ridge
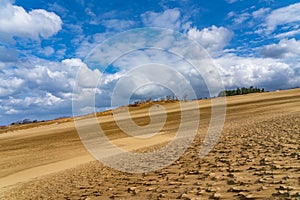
column 25, row 121
column 166, row 99
column 240, row 91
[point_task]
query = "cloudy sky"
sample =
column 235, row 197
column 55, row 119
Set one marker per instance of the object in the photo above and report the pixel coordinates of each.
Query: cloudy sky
column 43, row 44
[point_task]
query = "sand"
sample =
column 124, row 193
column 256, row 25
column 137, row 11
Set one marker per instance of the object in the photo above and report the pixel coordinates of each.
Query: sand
column 256, row 157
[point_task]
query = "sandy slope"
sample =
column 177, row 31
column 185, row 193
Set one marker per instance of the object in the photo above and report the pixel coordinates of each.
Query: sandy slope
column 257, row 156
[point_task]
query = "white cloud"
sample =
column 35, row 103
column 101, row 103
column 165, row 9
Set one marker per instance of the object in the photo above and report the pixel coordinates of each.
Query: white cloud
column 87, row 77
column 260, row 13
column 269, row 73
column 12, row 111
column 16, row 21
column 282, row 16
column 265, row 21
column 213, row 39
column 248, row 17
column 47, row 99
column 170, row 18
column 241, row 18
column 10, row 85
column 284, row 49
column 43, row 87
column 37, row 77
column 230, row 15
column 288, row 34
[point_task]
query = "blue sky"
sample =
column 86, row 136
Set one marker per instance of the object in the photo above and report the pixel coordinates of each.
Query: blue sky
column 43, row 44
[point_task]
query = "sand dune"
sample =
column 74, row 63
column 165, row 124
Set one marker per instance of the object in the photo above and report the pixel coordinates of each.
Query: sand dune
column 256, row 157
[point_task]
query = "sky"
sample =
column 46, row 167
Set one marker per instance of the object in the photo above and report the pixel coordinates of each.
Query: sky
column 45, row 44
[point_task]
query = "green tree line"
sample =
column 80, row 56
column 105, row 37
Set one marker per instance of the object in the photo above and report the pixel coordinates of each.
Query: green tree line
column 239, row 91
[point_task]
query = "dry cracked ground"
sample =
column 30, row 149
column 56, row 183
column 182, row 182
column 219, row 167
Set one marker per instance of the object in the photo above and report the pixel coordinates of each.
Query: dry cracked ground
column 257, row 156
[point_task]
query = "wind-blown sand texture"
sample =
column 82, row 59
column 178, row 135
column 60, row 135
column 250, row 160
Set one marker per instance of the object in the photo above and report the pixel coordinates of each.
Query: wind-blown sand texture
column 256, row 157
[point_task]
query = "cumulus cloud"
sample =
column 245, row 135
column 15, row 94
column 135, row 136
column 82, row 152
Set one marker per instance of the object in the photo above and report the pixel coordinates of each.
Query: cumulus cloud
column 282, row 16
column 16, row 21
column 10, row 85
column 269, row 73
column 212, row 38
column 87, row 78
column 284, row 49
column 39, row 87
column 38, row 77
